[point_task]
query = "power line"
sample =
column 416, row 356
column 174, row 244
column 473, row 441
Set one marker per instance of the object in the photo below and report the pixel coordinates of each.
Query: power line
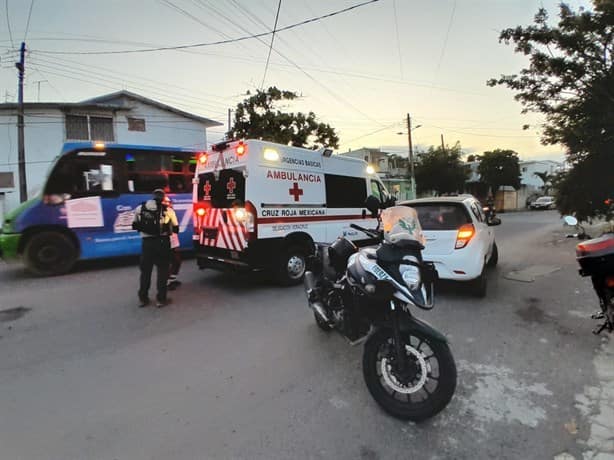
column 374, row 132
column 8, row 22
column 28, row 22
column 445, row 41
column 219, row 42
column 396, row 24
column 266, row 66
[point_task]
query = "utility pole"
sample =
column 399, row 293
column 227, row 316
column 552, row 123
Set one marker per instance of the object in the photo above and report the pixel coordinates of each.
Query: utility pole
column 21, row 151
column 412, row 175
column 443, row 147
column 229, row 121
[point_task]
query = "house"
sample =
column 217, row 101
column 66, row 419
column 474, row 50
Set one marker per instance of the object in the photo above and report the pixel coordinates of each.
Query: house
column 391, row 169
column 122, row 117
column 531, row 185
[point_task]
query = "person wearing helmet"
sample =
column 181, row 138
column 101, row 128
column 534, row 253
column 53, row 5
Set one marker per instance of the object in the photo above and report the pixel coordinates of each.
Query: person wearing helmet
column 175, row 264
column 157, row 223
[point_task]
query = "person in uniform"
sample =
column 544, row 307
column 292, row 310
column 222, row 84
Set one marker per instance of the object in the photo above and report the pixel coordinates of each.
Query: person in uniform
column 157, row 223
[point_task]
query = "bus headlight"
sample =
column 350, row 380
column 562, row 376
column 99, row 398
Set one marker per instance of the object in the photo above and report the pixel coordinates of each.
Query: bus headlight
column 410, row 275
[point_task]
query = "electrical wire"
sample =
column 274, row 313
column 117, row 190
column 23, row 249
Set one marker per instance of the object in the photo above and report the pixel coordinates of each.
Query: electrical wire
column 268, row 58
column 218, row 42
column 396, row 24
column 25, row 35
column 445, row 41
column 8, row 22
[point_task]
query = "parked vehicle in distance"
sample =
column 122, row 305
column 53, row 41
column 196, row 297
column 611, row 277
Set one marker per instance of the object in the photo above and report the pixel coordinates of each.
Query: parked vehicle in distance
column 543, row 202
column 86, row 206
column 460, row 240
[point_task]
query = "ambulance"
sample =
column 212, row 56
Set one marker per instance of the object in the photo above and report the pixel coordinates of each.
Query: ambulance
column 261, row 206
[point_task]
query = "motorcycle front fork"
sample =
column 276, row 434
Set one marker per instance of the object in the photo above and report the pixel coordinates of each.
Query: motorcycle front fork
column 399, row 346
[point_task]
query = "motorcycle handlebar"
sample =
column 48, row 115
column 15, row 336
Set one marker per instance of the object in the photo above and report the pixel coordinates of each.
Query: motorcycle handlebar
column 371, row 233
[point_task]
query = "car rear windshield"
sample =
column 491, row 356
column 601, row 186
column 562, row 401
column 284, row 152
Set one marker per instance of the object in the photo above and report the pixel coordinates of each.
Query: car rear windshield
column 544, row 199
column 441, row 216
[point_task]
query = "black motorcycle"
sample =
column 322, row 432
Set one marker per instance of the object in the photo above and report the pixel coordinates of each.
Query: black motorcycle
column 368, row 294
column 596, row 259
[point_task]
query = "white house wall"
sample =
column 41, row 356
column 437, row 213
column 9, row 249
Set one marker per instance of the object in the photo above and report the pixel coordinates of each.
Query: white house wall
column 162, row 128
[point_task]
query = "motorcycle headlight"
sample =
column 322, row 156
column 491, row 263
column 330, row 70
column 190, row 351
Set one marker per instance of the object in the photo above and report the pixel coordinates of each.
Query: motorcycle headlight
column 410, row 275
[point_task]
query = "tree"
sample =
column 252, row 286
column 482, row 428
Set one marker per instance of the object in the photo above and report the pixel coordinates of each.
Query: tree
column 546, row 179
column 258, row 118
column 570, row 80
column 441, row 170
column 499, row 167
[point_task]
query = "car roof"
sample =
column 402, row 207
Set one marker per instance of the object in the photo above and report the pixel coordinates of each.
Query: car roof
column 439, row 199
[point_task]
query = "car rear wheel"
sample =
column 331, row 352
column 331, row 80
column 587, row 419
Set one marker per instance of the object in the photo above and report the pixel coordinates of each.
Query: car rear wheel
column 479, row 286
column 494, row 257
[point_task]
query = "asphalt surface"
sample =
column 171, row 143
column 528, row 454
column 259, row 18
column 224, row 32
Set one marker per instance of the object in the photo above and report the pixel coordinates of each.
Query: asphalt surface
column 237, row 369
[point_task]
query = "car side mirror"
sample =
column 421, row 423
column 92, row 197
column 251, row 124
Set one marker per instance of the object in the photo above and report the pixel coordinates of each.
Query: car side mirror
column 494, row 221
column 373, row 205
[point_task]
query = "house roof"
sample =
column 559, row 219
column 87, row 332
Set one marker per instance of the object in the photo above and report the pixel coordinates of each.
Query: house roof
column 120, row 97
column 113, row 101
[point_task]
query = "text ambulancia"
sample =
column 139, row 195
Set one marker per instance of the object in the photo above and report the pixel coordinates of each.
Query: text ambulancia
column 260, row 205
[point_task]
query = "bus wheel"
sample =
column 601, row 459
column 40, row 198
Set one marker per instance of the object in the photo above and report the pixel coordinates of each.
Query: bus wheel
column 49, row 253
column 291, row 266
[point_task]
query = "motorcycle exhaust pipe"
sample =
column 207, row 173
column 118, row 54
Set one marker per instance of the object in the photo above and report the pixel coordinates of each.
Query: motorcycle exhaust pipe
column 314, row 303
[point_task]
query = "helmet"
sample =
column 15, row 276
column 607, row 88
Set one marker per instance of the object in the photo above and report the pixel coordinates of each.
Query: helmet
column 401, row 225
column 159, row 194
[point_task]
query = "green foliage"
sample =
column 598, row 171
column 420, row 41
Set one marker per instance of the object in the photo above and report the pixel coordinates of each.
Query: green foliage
column 582, row 191
column 499, row 167
column 570, row 80
column 546, row 179
column 441, row 170
column 258, row 118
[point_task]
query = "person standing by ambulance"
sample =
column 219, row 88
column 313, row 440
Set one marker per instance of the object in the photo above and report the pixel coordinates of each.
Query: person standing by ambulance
column 175, row 264
column 157, row 223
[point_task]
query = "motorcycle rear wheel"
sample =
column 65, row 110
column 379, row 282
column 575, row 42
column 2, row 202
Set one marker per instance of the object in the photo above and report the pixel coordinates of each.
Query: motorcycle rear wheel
column 426, row 387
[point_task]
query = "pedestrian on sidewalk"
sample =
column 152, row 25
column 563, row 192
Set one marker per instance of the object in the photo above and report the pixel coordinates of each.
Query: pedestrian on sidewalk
column 175, row 265
column 157, row 223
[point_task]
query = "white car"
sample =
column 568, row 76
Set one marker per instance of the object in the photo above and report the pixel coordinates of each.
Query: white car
column 459, row 240
column 543, row 202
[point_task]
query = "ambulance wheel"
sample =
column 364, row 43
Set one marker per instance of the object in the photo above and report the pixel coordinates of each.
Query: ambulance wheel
column 291, row 266
column 49, row 254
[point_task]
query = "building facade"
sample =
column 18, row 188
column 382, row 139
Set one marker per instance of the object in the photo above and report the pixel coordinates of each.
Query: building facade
column 121, row 117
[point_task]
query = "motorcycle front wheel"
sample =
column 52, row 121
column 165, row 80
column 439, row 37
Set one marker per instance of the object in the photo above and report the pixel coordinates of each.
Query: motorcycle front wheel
column 419, row 391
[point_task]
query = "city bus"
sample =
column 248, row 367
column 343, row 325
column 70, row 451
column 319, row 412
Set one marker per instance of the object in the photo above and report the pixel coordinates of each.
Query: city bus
column 86, row 205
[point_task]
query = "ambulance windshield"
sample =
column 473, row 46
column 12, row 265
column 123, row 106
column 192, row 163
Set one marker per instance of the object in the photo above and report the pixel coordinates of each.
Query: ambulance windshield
column 226, row 191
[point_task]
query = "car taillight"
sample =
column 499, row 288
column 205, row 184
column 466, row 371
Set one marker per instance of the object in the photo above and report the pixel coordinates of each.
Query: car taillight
column 464, row 235
column 609, row 281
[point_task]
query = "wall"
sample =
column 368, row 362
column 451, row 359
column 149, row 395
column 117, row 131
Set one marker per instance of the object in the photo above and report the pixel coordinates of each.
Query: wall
column 529, row 168
column 162, row 128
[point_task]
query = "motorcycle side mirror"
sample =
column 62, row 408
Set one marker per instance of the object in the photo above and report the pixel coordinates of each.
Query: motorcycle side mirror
column 570, row 220
column 373, row 205
column 494, row 221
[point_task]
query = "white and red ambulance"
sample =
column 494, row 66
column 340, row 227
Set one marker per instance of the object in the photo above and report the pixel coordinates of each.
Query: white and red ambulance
column 260, row 205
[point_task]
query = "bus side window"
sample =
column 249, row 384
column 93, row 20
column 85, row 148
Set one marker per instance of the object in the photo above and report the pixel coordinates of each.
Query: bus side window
column 80, row 176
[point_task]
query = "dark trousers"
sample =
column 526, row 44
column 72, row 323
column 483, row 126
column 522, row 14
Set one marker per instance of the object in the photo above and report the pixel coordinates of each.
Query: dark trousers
column 156, row 251
column 175, row 262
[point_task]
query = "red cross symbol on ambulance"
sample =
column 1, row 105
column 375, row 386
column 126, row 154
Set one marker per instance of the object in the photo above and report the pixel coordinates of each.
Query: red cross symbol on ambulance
column 231, row 185
column 295, row 191
column 207, row 188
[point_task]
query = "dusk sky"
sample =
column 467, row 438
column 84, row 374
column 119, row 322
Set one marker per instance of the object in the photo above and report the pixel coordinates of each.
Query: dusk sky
column 361, row 71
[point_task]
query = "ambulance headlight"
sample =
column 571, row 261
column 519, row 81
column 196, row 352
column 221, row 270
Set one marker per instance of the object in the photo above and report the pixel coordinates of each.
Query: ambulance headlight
column 370, row 169
column 270, row 154
column 410, row 275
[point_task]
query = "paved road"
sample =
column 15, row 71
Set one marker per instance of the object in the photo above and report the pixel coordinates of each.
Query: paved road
column 236, row 369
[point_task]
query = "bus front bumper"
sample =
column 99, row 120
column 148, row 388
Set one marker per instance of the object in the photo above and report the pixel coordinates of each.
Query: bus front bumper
column 9, row 244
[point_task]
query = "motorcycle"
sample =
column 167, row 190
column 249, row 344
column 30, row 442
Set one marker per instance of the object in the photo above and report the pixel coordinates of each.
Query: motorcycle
column 596, row 259
column 367, row 295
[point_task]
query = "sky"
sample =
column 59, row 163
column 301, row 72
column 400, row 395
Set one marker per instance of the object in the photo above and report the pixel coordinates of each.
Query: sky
column 361, row 71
